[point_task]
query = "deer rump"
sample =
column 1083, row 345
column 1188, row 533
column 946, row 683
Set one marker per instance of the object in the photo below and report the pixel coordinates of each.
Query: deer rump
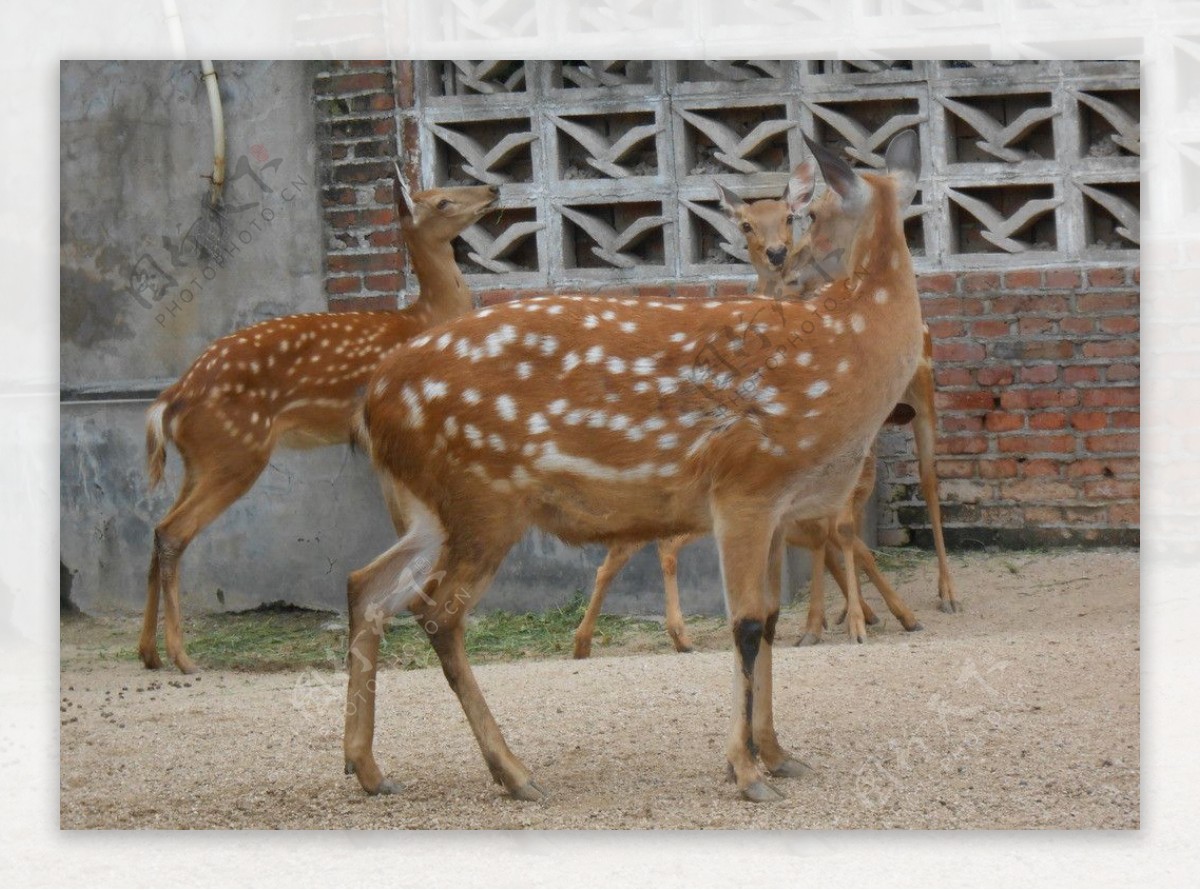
column 629, row 440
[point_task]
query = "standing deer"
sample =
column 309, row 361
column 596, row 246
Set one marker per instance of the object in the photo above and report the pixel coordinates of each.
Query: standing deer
column 730, row 416
column 288, row 381
column 792, row 269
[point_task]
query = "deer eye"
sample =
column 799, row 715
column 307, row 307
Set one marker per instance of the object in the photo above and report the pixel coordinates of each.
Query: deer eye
column 443, row 204
column 746, row 227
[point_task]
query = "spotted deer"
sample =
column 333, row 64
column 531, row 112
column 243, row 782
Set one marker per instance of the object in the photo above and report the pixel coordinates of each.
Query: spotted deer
column 289, row 381
column 791, row 268
column 608, row 420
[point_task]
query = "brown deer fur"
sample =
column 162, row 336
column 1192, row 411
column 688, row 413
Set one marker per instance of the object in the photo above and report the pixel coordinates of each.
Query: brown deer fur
column 288, row 381
column 602, row 420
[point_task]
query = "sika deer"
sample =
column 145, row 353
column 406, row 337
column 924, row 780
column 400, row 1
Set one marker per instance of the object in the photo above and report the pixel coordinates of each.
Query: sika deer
column 289, row 381
column 728, row 416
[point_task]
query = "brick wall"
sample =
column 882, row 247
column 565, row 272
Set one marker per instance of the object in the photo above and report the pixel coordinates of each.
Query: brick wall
column 1038, row 408
column 357, row 139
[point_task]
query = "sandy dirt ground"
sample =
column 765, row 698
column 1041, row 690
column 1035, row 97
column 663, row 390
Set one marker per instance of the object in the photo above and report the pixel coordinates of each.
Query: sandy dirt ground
column 1021, row 712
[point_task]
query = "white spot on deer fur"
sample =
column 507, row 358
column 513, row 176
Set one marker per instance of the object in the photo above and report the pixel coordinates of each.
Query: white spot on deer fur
column 858, row 323
column 775, row 408
column 471, row 396
column 668, row 441
column 549, row 345
column 529, row 449
column 608, row 315
column 712, row 304
column 462, row 346
column 473, row 435
column 843, row 366
column 881, row 295
column 574, row 418
column 590, row 322
column 520, row 477
column 618, row 422
column 570, row 362
column 615, row 365
column 483, row 313
column 654, row 423
column 434, row 389
column 416, row 416
column 450, row 425
column 642, row 386
column 817, row 389
column 586, row 467
column 506, row 407
column 444, row 340
column 689, row 346
column 524, row 370
column 777, row 450
column 667, row 385
column 678, row 337
column 537, row 423
column 690, row 419
column 812, row 412
column 557, row 407
column 643, row 366
column 595, row 355
column 530, row 340
column 496, row 442
column 806, row 443
column 635, row 433
column 597, row 418
column 628, row 327
column 894, row 261
column 283, row 347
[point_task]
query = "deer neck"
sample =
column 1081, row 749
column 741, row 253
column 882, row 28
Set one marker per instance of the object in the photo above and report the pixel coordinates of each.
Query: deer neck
column 444, row 294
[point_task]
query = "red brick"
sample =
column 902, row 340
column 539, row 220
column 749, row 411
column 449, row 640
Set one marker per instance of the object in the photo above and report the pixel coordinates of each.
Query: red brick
column 360, row 219
column 1047, row 420
column 1136, row 275
column 1029, row 325
column 347, row 284
column 386, row 193
column 941, row 283
column 1025, row 304
column 963, row 445
column 942, row 307
column 1120, row 324
column 1112, row 489
column 1024, row 278
column 1126, row 420
column 1089, row 421
column 953, row 376
column 1106, row 277
column 1116, row 442
column 1112, row 397
column 362, row 304
column 958, row 352
column 1038, row 490
column 964, row 401
column 1088, row 466
column 1110, row 349
column 980, row 281
column 384, row 238
column 687, row 291
column 1000, row 422
column 1062, row 278
column 732, row 289
column 381, row 102
column 1000, row 517
column 1124, row 514
column 1077, row 324
column 1121, row 373
column 338, row 196
column 354, row 83
column 1079, row 514
column 994, row 376
column 491, row 297
column 1048, row 349
column 1043, row 515
column 388, row 281
column 1040, row 468
column 1039, row 374
column 1039, row 398
column 991, row 328
column 938, row 329
column 948, row 468
column 1107, row 302
column 1081, row 374
column 1001, row 468
column 364, row 262
column 959, row 423
column 1036, row 444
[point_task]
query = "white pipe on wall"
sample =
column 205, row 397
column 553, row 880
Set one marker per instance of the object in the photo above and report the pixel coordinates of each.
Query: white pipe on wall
column 218, row 121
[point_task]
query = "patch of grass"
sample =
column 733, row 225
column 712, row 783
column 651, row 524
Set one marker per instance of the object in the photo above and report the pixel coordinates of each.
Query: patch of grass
column 277, row 637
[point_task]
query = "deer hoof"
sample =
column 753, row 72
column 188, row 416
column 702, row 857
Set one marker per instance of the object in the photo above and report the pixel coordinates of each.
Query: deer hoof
column 349, row 768
column 761, row 792
column 791, row 768
column 387, row 786
column 583, row 648
column 809, row 639
column 150, row 660
column 530, row 791
column 916, row 626
column 949, row 606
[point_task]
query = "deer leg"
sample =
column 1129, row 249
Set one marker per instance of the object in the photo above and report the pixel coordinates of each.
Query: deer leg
column 895, row 604
column 148, row 640
column 844, row 535
column 205, row 501
column 745, row 546
column 668, row 559
column 777, row 761
column 835, row 569
column 814, row 538
column 925, row 434
column 618, row 555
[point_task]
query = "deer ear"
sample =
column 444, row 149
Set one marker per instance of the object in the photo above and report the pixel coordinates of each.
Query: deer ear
column 730, row 202
column 848, row 184
column 904, row 165
column 801, row 186
column 405, row 195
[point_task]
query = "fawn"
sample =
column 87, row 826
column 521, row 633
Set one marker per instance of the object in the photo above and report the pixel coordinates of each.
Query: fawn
column 526, row 431
column 288, row 381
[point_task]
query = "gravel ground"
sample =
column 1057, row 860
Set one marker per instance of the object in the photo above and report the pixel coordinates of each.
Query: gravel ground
column 1022, row 712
